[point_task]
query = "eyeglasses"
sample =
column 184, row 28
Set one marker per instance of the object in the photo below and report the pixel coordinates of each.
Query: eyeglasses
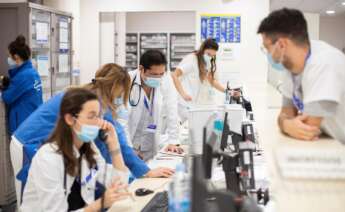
column 154, row 75
column 90, row 117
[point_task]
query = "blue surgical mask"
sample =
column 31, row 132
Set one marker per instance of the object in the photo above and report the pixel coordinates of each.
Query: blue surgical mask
column 275, row 65
column 122, row 113
column 207, row 59
column 118, row 101
column 88, row 133
column 153, row 82
column 11, row 63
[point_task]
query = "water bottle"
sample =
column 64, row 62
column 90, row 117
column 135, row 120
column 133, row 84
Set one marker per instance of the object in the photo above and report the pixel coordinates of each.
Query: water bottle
column 179, row 191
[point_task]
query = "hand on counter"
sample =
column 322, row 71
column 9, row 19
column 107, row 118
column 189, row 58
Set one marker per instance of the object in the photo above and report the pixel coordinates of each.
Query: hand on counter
column 174, row 148
column 160, row 172
column 296, row 128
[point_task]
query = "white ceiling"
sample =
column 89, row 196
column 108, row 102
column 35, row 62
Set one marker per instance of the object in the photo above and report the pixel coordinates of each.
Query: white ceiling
column 312, row 6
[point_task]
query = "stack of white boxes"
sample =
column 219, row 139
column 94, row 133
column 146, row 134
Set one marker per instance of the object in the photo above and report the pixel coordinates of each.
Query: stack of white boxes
column 7, row 190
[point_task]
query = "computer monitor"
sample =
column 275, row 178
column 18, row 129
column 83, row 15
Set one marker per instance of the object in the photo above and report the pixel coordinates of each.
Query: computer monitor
column 199, row 189
column 209, row 139
column 213, row 147
column 199, row 117
column 203, row 200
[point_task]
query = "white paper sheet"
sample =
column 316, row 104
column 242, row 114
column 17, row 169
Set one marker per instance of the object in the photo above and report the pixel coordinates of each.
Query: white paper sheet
column 167, row 162
column 43, row 65
column 63, row 63
column 63, row 35
column 63, row 24
column 42, row 31
column 63, row 46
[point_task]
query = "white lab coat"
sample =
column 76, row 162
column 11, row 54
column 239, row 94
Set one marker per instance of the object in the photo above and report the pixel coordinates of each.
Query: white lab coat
column 44, row 190
column 202, row 92
column 164, row 113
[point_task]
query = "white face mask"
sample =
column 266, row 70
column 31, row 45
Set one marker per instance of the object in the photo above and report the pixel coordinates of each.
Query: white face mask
column 207, row 60
column 11, row 63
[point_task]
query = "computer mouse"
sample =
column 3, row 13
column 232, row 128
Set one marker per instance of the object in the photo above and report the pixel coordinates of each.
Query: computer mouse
column 143, row 192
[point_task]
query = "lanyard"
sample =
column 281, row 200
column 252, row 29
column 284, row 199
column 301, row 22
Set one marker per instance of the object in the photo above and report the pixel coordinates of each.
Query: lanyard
column 297, row 101
column 149, row 108
column 88, row 177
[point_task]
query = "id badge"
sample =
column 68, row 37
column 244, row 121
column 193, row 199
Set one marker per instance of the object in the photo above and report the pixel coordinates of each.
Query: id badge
column 151, row 128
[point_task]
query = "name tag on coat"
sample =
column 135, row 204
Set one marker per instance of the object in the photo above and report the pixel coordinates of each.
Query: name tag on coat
column 151, row 128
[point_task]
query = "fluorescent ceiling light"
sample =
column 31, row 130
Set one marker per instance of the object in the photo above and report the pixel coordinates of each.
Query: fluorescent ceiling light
column 330, row 12
column 343, row 3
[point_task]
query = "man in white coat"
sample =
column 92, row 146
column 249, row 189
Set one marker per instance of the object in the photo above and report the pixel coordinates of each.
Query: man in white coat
column 152, row 101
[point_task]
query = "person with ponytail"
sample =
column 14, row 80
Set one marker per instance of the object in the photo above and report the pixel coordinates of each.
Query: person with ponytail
column 23, row 95
column 195, row 78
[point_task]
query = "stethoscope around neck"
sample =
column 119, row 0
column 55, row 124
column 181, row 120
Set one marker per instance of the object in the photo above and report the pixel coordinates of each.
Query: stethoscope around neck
column 132, row 101
column 134, row 97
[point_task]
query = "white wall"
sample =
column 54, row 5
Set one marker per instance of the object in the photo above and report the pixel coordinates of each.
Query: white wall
column 332, row 30
column 250, row 62
column 313, row 22
column 107, row 31
column 161, row 22
column 120, row 50
column 126, row 22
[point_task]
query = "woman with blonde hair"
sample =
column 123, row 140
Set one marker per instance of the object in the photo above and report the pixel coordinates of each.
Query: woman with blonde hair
column 111, row 84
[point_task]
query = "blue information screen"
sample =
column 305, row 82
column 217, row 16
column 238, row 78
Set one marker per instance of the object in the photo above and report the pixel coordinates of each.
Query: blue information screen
column 225, row 29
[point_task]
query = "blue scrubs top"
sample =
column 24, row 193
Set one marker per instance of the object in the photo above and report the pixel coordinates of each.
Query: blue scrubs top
column 24, row 94
column 37, row 128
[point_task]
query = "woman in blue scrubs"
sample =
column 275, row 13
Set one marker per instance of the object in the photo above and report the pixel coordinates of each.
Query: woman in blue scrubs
column 24, row 93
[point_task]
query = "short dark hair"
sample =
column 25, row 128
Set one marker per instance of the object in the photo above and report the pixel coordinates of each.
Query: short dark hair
column 285, row 23
column 20, row 48
column 152, row 57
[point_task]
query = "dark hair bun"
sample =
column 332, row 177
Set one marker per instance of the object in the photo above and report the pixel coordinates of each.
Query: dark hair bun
column 20, row 48
column 20, row 40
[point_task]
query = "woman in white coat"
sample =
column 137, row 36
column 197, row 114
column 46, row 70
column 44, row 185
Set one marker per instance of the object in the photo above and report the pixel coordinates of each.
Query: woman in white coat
column 152, row 98
column 67, row 171
column 195, row 78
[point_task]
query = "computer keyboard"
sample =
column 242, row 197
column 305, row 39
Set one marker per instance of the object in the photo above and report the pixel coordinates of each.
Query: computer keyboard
column 159, row 203
column 311, row 163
